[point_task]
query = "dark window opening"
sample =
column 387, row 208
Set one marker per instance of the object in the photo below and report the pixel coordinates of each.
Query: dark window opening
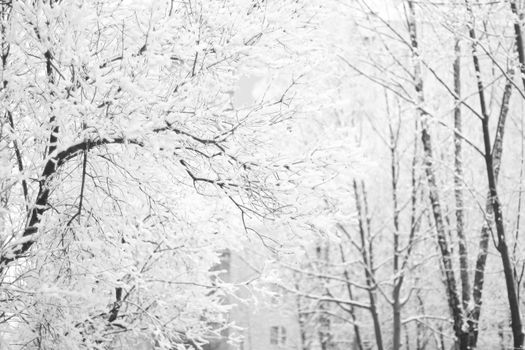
column 277, row 335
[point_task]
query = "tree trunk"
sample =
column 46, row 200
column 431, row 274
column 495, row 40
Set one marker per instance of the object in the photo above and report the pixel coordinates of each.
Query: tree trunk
column 458, row 181
column 512, row 295
column 364, row 233
column 398, row 281
column 396, row 308
column 453, row 298
column 357, row 332
column 479, row 275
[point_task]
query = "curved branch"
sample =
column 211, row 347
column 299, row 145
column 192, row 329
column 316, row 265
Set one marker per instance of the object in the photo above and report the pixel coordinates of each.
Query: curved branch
column 56, row 159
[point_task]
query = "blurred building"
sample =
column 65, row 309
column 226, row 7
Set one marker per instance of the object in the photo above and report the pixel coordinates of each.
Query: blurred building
column 266, row 325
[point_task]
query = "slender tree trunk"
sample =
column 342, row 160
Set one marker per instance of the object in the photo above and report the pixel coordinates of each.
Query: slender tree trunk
column 364, row 233
column 518, row 39
column 453, row 298
column 396, row 303
column 512, row 295
column 396, row 307
column 458, row 181
column 479, row 275
column 458, row 193
column 421, row 341
column 357, row 332
column 399, row 271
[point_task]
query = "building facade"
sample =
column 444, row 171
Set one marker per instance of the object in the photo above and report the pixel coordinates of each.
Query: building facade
column 257, row 325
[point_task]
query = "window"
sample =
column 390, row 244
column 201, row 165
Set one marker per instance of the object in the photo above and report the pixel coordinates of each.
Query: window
column 274, row 335
column 321, row 252
column 277, row 335
column 283, row 335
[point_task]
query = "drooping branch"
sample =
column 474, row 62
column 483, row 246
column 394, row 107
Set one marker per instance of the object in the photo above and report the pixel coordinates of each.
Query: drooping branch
column 325, row 298
column 57, row 158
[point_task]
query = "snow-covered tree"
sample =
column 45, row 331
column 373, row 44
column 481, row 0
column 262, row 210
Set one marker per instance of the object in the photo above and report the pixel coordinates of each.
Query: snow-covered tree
column 130, row 159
